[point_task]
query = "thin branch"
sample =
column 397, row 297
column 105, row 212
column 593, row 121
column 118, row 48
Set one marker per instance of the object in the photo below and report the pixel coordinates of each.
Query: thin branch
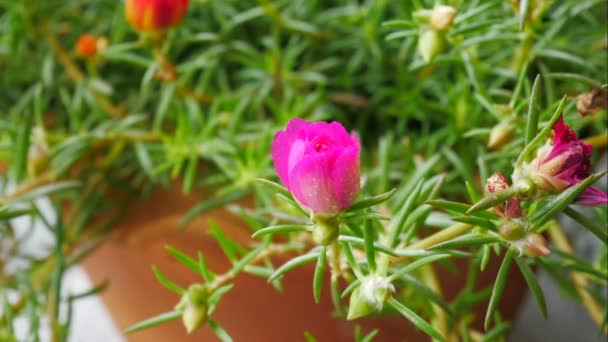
column 272, row 250
column 43, row 179
column 446, row 234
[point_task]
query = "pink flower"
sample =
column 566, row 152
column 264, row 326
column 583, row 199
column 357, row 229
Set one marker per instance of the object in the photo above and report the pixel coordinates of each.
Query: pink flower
column 563, row 163
column 509, row 209
column 319, row 164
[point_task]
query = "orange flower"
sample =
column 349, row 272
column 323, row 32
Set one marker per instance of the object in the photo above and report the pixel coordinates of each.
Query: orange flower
column 155, row 15
column 86, row 46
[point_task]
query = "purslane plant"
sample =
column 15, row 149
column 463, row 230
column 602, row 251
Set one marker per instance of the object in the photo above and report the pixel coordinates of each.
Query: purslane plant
column 320, row 163
column 385, row 122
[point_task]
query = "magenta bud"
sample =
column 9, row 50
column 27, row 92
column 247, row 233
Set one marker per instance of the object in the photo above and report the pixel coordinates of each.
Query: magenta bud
column 560, row 164
column 319, row 163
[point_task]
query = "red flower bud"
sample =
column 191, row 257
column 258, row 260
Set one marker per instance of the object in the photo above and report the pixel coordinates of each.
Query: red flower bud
column 155, row 15
column 89, row 45
column 511, row 208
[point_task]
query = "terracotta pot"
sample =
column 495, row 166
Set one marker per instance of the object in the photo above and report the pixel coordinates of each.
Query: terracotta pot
column 253, row 310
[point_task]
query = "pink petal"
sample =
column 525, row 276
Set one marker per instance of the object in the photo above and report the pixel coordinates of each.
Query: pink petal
column 310, row 182
column 282, row 146
column 335, row 130
column 346, row 174
column 563, row 133
column 592, row 197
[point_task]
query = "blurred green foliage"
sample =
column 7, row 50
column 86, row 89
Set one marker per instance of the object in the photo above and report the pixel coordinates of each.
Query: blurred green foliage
column 204, row 106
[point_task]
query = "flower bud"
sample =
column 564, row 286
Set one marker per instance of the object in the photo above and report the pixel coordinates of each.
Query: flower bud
column 89, row 45
column 500, row 135
column 592, row 102
column 369, row 297
column 442, row 17
column 194, row 306
column 561, row 164
column 319, row 163
column 155, row 15
column 535, row 245
column 512, row 230
column 430, row 44
column 510, row 208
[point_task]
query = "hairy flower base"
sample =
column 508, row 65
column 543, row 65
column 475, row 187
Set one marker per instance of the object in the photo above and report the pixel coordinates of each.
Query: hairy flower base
column 369, row 297
column 532, row 245
column 325, row 231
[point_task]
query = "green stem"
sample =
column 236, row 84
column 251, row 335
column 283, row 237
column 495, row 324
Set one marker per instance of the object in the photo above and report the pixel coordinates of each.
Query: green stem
column 335, row 277
column 440, row 321
column 444, row 235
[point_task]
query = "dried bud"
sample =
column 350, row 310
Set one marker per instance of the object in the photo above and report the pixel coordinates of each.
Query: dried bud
column 430, row 44
column 89, row 45
column 592, row 102
column 369, row 297
column 194, row 306
column 500, row 135
column 155, row 15
column 442, row 17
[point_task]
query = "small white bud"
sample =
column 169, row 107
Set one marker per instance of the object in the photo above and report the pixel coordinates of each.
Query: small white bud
column 442, row 17
column 500, row 135
column 194, row 306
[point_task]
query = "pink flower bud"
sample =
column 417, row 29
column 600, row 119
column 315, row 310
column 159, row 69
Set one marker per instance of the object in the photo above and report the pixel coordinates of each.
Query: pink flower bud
column 535, row 245
column 496, row 182
column 511, row 208
column 319, row 164
column 561, row 164
column 155, row 15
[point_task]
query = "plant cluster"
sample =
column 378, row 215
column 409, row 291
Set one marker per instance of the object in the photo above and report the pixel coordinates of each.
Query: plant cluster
column 380, row 140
